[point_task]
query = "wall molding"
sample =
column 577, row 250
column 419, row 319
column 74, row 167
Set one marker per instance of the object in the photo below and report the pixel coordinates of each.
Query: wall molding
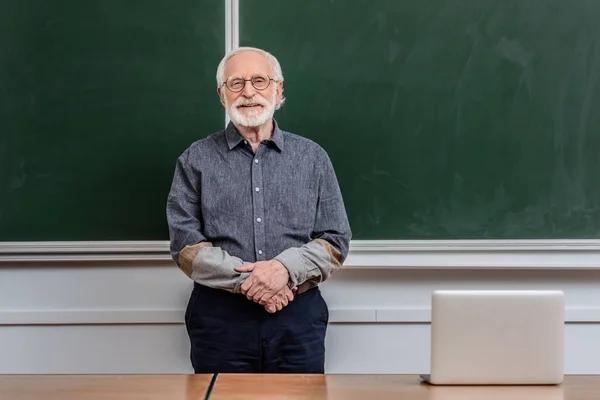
column 407, row 315
column 386, row 254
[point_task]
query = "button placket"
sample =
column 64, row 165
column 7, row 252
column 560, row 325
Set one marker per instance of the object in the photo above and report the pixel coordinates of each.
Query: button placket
column 258, row 207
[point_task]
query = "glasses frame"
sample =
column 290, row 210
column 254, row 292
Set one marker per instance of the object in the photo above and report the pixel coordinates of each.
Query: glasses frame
column 251, row 82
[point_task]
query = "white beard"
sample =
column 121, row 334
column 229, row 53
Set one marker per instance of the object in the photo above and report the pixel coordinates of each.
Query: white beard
column 254, row 118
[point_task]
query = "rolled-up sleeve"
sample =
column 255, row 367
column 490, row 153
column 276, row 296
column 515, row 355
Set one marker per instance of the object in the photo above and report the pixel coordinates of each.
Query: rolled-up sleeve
column 317, row 259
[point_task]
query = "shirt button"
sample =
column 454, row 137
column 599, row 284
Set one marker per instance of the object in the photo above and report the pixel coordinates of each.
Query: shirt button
column 257, row 189
column 245, row 142
column 258, row 219
column 260, row 252
column 255, row 161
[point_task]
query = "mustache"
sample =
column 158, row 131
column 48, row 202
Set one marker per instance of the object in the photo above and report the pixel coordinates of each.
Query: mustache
column 254, row 100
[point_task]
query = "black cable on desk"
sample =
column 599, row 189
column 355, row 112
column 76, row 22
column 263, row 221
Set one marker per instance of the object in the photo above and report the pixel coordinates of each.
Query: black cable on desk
column 210, row 386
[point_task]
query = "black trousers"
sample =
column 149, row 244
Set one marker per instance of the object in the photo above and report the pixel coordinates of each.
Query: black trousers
column 231, row 334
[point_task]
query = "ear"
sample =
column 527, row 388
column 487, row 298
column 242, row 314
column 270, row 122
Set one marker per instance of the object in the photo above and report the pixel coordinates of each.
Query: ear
column 279, row 93
column 221, row 94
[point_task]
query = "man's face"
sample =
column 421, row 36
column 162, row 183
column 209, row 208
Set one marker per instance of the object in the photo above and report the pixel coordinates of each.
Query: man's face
column 250, row 107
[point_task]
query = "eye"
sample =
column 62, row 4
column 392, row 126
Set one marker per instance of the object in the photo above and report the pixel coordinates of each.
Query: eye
column 235, row 83
column 260, row 82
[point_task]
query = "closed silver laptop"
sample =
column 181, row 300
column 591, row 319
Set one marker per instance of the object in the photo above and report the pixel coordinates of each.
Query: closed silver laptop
column 497, row 337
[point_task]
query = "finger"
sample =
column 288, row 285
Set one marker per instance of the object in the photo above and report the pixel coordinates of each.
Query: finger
column 263, row 299
column 275, row 299
column 266, row 295
column 271, row 309
column 244, row 268
column 290, row 296
column 254, row 289
column 258, row 296
column 248, row 283
column 280, row 306
column 263, row 291
column 266, row 298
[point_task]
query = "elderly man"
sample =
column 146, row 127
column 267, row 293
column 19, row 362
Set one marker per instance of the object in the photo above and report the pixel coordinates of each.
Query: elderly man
column 257, row 221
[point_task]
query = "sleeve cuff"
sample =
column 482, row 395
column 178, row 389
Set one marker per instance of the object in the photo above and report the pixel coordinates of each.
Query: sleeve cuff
column 294, row 263
column 237, row 288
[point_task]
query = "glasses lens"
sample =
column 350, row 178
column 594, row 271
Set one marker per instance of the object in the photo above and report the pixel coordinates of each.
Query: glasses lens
column 235, row 84
column 260, row 82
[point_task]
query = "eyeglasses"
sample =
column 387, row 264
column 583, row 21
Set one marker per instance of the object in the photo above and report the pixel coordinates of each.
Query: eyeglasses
column 259, row 82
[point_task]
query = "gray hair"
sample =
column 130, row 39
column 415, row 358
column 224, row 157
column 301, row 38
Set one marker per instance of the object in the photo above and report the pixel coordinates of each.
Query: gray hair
column 270, row 58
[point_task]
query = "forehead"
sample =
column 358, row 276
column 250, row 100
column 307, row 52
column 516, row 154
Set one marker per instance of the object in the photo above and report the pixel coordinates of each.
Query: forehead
column 246, row 64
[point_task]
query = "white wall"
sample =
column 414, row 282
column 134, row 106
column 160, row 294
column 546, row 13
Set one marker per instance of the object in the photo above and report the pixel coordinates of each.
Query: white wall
column 127, row 317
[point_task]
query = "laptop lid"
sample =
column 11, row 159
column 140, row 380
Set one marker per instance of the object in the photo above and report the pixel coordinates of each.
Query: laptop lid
column 497, row 337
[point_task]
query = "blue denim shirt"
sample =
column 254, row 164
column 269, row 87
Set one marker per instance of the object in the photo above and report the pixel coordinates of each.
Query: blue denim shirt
column 229, row 206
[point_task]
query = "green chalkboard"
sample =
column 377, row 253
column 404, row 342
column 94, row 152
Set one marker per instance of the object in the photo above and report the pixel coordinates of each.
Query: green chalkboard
column 97, row 100
column 446, row 119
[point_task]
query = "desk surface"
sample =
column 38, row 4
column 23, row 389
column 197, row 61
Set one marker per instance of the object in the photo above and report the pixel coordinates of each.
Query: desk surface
column 284, row 387
column 104, row 387
column 381, row 387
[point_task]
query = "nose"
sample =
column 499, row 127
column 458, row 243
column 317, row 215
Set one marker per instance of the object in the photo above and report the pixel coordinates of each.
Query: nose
column 249, row 90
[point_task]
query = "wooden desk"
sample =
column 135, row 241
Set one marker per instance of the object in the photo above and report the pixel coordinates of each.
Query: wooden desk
column 103, row 387
column 382, row 387
column 280, row 387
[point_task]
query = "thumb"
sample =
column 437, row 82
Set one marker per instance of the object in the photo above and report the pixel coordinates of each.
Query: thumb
column 244, row 268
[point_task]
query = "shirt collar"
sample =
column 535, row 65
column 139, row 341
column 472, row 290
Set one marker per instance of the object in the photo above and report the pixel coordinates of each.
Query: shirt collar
column 234, row 137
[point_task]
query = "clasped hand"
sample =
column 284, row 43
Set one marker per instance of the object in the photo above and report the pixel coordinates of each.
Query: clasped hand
column 267, row 284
